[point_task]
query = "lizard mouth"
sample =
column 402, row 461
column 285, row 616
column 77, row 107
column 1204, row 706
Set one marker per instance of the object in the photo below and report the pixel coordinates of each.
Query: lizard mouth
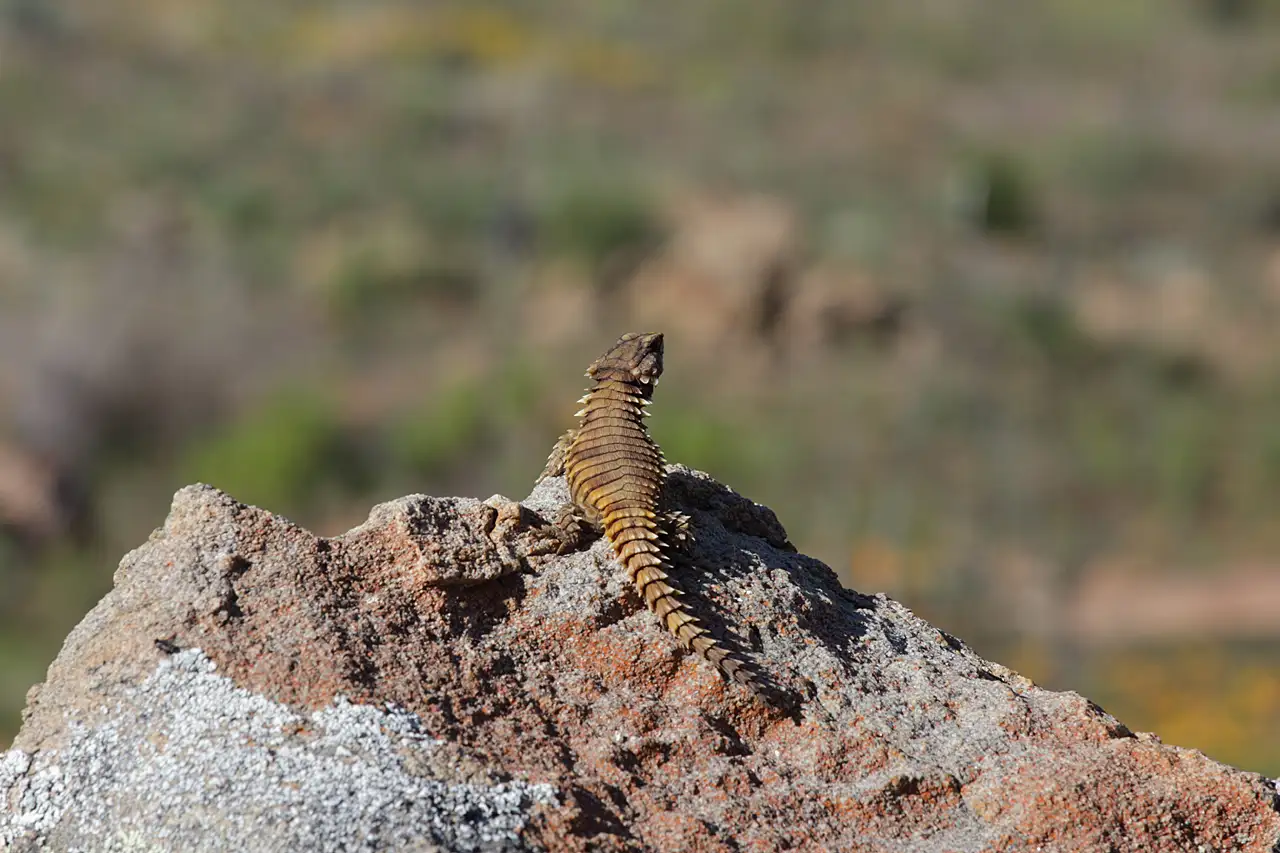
column 648, row 365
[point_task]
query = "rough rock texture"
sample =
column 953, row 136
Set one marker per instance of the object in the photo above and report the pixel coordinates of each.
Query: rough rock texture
column 191, row 762
column 496, row 696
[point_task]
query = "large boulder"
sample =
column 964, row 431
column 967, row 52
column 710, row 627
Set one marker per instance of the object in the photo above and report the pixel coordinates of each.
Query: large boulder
column 439, row 678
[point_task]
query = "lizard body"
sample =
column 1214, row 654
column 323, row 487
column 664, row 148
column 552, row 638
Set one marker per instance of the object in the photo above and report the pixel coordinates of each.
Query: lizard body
column 615, row 474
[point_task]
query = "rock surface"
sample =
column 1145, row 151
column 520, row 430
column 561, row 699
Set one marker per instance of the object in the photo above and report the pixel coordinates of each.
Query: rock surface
column 438, row 678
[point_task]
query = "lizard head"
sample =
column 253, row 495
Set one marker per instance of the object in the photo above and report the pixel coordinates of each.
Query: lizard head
column 636, row 357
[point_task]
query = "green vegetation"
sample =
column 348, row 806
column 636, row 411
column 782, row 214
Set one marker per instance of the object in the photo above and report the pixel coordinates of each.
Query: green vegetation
column 1000, row 198
column 445, row 433
column 723, row 444
column 291, row 452
column 599, row 221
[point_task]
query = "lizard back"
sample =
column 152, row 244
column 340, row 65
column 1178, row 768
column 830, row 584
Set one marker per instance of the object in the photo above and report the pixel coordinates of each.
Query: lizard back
column 615, row 475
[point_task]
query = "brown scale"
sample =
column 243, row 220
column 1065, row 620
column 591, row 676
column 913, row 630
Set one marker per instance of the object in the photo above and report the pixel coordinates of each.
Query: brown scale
column 615, row 474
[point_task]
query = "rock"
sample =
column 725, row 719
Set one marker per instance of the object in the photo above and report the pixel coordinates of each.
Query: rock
column 832, row 305
column 189, row 761
column 43, row 500
column 1118, row 601
column 724, row 276
column 439, row 678
column 1170, row 305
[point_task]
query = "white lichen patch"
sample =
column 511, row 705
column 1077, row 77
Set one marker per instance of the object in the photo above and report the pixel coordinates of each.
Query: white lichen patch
column 191, row 762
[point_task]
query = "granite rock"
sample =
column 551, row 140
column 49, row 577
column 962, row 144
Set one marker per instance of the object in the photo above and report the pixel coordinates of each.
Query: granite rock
column 441, row 678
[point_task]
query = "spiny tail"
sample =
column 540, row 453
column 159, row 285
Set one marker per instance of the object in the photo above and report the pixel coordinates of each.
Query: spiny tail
column 637, row 543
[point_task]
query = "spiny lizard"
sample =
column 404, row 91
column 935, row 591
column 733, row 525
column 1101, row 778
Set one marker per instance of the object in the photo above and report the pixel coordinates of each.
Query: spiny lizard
column 615, row 475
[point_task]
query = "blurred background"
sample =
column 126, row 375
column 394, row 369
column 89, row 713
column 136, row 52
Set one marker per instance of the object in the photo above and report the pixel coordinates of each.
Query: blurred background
column 979, row 296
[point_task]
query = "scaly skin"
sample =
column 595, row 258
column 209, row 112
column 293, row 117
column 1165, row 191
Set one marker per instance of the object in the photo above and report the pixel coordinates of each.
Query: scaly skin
column 615, row 475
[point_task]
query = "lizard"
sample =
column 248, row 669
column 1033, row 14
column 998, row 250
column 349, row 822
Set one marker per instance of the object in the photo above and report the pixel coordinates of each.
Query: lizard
column 615, row 474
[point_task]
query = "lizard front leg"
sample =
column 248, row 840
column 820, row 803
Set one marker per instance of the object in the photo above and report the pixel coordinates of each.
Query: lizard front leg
column 573, row 527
